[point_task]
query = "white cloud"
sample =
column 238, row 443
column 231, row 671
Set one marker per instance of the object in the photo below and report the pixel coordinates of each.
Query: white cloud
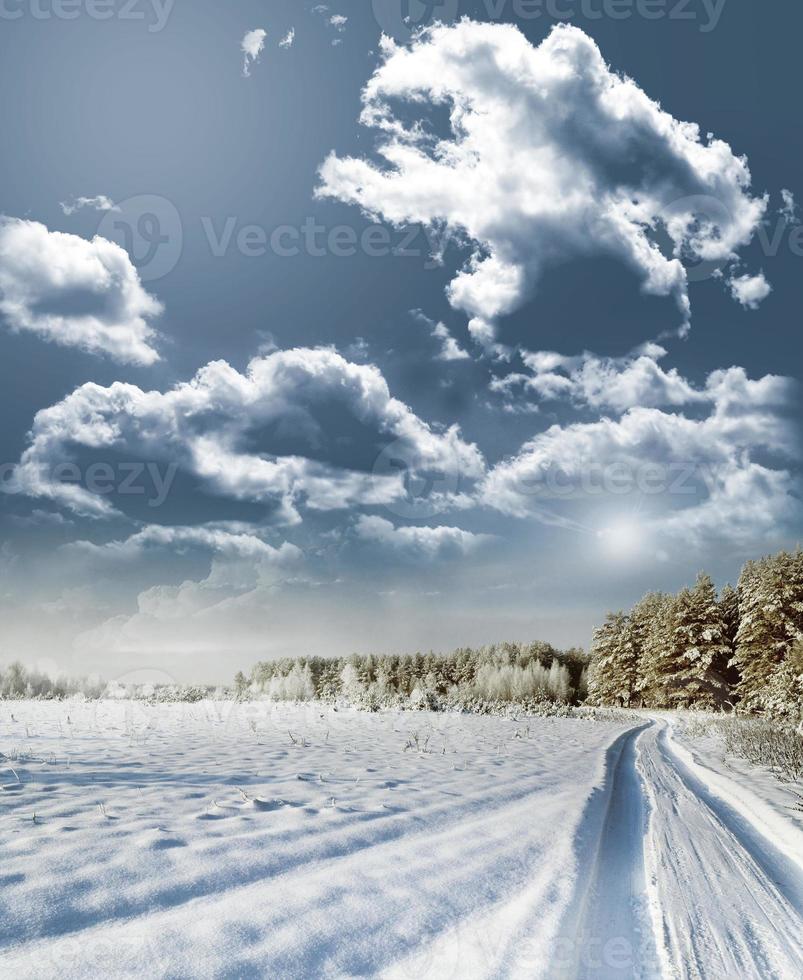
column 418, row 542
column 74, row 292
column 242, row 566
column 98, row 203
column 251, row 46
column 725, row 475
column 41, row 518
column 229, row 608
column 590, row 380
column 750, row 291
column 450, row 350
column 789, row 208
column 228, row 539
column 336, row 21
column 552, row 156
column 289, row 38
column 73, row 603
column 231, row 432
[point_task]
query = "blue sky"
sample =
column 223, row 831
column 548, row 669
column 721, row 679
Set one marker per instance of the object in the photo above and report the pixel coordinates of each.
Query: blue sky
column 509, row 348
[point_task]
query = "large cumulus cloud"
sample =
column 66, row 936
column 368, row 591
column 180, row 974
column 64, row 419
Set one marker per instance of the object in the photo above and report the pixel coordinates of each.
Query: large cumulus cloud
column 551, row 156
column 298, row 426
column 74, row 292
column 725, row 472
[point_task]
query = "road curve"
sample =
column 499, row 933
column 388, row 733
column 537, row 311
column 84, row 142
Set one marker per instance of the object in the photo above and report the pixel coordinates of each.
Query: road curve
column 679, row 886
column 724, row 904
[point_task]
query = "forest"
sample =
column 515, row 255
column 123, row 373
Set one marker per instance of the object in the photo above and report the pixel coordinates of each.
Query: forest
column 739, row 649
column 468, row 677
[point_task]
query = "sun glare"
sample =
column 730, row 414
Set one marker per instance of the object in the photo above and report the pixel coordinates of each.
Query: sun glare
column 623, row 539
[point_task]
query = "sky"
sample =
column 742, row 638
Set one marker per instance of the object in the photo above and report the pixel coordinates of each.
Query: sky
column 387, row 326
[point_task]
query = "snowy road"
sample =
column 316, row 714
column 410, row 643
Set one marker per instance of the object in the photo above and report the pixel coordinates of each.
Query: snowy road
column 613, row 935
column 200, row 842
column 684, row 884
column 725, row 902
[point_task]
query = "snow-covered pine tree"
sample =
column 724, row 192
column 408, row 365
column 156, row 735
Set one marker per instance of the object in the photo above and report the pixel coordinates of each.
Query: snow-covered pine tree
column 640, row 624
column 658, row 664
column 612, row 678
column 729, row 606
column 783, row 697
column 770, row 624
column 700, row 647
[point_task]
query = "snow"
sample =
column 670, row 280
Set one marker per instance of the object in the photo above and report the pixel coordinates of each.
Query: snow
column 205, row 835
column 769, row 804
column 229, row 839
column 724, row 901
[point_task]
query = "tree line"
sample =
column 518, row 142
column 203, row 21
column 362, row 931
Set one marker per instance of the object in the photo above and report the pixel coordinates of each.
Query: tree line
column 499, row 672
column 740, row 648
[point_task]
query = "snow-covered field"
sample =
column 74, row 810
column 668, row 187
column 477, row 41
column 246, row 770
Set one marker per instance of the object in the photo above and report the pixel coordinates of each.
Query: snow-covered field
column 261, row 840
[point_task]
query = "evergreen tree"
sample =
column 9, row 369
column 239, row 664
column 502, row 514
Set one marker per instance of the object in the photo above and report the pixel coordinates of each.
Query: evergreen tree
column 614, row 662
column 640, row 626
column 770, row 623
column 700, row 648
column 783, row 697
column 729, row 607
column 658, row 665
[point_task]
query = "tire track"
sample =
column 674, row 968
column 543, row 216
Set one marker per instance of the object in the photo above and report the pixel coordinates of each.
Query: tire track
column 721, row 903
column 612, row 937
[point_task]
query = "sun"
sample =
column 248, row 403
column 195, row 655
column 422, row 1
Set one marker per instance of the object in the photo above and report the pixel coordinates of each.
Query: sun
column 623, row 539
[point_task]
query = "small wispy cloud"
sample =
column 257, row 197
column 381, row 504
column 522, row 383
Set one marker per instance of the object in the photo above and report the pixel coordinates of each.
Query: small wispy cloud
column 750, row 291
column 288, row 39
column 251, row 45
column 337, row 21
column 450, row 349
column 98, row 203
column 789, row 209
